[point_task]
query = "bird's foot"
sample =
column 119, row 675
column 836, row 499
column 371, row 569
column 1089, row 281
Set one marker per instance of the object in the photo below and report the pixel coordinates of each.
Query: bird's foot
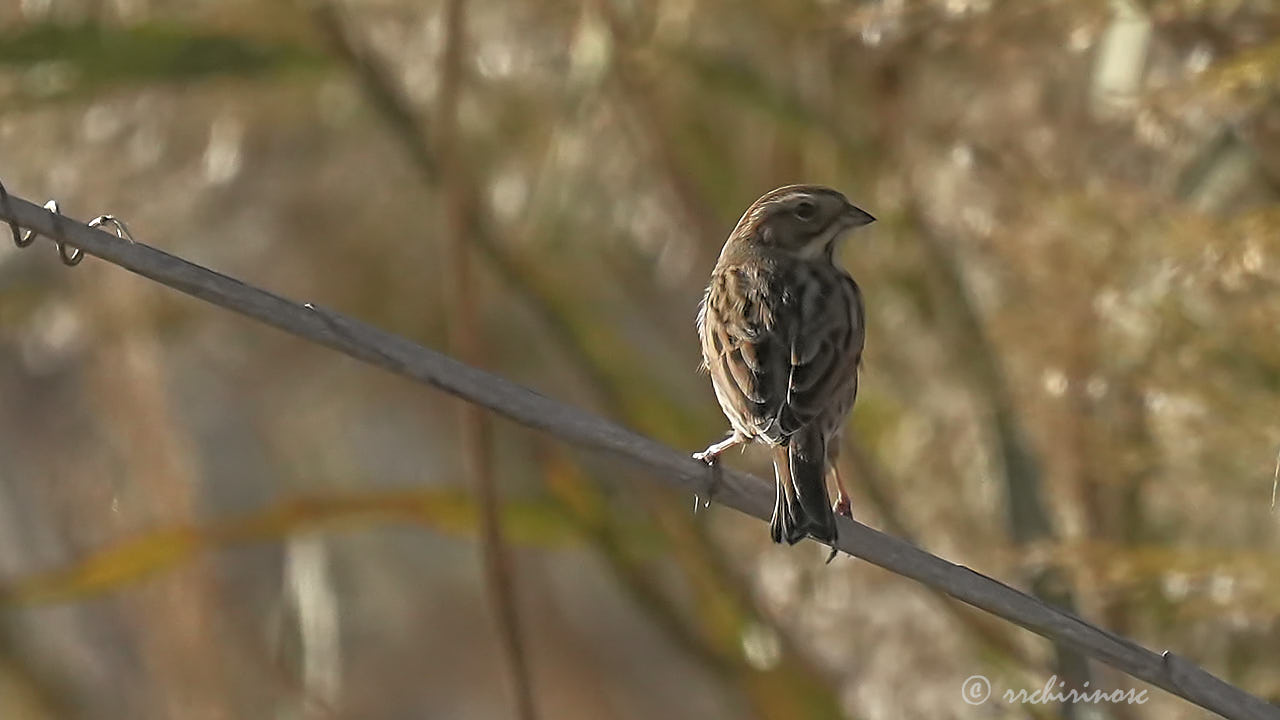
column 711, row 456
column 842, row 506
column 713, row 465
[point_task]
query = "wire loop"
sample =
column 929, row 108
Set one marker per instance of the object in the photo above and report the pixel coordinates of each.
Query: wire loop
column 122, row 230
column 69, row 255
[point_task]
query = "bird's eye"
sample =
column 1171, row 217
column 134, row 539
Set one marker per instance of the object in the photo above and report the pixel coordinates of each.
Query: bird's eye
column 806, row 211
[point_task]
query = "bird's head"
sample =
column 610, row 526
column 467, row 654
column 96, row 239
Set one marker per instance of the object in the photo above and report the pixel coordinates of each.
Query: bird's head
column 803, row 220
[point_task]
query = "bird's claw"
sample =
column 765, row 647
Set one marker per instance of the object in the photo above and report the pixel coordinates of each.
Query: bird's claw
column 712, row 459
column 842, row 506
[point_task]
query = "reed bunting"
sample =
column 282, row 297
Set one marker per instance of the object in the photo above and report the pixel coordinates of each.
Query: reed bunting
column 782, row 328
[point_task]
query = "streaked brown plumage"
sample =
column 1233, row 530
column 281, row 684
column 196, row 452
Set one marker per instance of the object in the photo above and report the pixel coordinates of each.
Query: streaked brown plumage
column 782, row 329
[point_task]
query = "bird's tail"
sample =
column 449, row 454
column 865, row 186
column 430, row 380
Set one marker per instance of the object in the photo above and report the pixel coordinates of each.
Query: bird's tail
column 802, row 506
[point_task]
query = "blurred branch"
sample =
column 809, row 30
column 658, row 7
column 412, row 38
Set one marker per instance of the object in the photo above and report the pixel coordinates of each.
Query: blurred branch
column 788, row 688
column 126, row 376
column 460, row 199
column 1275, row 482
column 25, row 691
column 635, row 92
column 308, row 585
column 588, row 512
column 380, row 89
column 1025, row 510
column 94, row 57
column 871, row 481
column 394, row 108
column 722, row 610
column 737, row 490
column 159, row 550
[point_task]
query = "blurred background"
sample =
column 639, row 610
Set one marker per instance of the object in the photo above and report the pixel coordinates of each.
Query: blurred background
column 1071, row 379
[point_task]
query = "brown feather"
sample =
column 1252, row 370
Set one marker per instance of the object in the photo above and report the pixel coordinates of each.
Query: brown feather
column 782, row 336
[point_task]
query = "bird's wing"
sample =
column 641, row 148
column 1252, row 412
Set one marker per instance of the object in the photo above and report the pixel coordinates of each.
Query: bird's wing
column 782, row 345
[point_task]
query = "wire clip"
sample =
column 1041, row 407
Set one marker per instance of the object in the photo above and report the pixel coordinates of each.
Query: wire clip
column 70, row 256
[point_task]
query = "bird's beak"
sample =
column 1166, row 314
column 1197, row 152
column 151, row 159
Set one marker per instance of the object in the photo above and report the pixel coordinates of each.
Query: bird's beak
column 858, row 217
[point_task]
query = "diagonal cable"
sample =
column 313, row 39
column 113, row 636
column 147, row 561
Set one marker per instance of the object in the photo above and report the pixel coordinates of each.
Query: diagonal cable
column 740, row 491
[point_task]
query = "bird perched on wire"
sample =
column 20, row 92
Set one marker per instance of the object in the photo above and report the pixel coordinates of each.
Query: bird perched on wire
column 782, row 328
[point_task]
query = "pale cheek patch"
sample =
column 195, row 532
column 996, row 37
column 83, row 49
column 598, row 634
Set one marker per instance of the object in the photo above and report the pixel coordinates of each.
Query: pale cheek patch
column 817, row 247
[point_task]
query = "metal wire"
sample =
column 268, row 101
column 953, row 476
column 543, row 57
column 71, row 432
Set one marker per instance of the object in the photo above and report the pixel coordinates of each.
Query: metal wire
column 737, row 490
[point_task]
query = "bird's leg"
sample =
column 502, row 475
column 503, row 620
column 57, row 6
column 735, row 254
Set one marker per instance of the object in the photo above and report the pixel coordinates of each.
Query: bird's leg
column 711, row 456
column 713, row 451
column 842, row 505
